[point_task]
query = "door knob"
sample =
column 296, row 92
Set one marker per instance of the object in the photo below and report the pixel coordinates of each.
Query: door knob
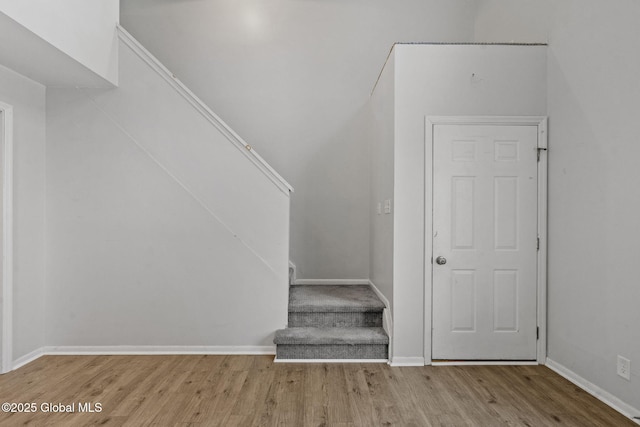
column 441, row 260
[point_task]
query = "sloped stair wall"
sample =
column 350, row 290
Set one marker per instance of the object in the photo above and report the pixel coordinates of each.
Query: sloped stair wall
column 161, row 230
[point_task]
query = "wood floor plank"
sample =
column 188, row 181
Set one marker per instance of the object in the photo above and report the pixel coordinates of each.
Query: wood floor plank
column 408, row 406
column 386, row 404
column 338, row 403
column 254, row 389
column 289, row 401
column 360, row 402
column 315, row 396
column 202, row 391
column 221, row 392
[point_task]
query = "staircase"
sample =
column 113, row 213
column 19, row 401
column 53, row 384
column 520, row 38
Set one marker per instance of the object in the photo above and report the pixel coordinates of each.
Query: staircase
column 333, row 322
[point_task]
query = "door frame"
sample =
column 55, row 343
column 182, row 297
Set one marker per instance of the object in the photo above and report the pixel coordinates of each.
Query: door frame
column 541, row 123
column 6, row 325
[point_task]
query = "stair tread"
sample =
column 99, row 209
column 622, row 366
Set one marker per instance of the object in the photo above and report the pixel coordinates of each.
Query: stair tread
column 333, row 298
column 320, row 336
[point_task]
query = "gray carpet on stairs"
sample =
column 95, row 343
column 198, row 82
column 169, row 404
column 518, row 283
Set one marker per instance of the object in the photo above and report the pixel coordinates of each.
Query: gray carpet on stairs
column 318, row 336
column 333, row 298
column 318, row 319
column 327, row 352
column 333, row 322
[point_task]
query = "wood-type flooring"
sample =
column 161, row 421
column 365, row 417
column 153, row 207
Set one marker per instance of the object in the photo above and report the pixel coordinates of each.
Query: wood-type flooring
column 199, row 390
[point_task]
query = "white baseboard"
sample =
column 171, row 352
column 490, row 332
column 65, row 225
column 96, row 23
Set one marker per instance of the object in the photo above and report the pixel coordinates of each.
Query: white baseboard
column 407, row 361
column 293, row 271
column 137, row 350
column 159, row 349
column 387, row 320
column 331, row 281
column 276, row 360
column 27, row 358
column 486, row 363
column 599, row 393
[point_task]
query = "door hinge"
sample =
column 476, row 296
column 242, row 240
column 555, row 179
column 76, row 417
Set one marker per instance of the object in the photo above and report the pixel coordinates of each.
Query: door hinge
column 538, row 243
column 537, row 332
column 539, row 150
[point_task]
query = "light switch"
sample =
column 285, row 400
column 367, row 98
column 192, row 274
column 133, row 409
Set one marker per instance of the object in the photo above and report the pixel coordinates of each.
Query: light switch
column 379, row 208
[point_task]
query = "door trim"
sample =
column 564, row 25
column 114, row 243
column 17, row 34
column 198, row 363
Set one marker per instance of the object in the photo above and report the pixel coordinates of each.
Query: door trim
column 6, row 330
column 541, row 123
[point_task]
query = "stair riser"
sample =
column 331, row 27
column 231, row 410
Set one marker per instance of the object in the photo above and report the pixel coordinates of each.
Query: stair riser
column 335, row 320
column 332, row 351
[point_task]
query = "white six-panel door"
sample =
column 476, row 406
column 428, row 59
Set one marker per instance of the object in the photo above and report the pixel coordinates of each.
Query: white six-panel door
column 485, row 242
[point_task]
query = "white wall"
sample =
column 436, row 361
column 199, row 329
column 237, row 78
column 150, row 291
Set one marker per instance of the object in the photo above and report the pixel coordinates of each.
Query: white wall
column 293, row 77
column 160, row 231
column 444, row 80
column 28, row 101
column 593, row 95
column 84, row 30
column 381, row 128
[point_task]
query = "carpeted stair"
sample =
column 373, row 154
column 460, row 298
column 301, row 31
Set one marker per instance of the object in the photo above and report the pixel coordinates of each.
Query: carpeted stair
column 333, row 322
